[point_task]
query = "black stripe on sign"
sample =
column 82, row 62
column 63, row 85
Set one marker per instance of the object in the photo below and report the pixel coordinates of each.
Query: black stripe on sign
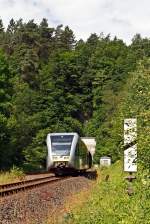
column 130, row 144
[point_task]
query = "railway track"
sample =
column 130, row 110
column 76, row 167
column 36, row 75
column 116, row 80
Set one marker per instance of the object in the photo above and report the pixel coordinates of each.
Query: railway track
column 13, row 188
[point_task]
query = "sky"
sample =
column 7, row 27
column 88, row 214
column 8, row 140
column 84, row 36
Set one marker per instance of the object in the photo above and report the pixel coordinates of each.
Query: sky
column 121, row 18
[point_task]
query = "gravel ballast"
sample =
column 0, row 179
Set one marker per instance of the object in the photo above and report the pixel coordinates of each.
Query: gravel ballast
column 36, row 205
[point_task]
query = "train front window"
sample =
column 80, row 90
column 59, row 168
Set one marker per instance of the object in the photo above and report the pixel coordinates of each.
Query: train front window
column 61, row 144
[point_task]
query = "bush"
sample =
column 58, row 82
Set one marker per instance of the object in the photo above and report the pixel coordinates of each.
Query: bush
column 109, row 202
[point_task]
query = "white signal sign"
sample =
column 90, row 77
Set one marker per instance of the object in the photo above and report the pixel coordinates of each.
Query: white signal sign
column 130, row 145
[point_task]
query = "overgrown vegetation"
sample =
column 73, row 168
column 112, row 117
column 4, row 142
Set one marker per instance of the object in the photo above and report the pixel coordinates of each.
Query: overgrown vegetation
column 108, row 201
column 15, row 174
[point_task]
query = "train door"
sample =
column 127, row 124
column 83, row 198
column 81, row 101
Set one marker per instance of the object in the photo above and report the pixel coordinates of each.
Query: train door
column 89, row 160
column 77, row 156
column 82, row 156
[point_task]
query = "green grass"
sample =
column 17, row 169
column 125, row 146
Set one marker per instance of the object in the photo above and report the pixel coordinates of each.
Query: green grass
column 15, row 174
column 109, row 203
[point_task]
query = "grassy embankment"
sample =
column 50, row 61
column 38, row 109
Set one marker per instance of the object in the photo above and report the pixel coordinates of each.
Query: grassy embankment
column 108, row 202
column 15, row 174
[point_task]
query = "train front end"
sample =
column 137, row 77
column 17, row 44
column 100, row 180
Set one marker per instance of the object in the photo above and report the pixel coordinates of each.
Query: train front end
column 61, row 148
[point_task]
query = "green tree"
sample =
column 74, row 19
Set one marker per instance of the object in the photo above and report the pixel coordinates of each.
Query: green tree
column 5, row 105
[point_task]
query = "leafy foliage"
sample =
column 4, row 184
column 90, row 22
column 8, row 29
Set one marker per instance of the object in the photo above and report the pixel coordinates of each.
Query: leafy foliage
column 138, row 102
column 108, row 201
column 49, row 82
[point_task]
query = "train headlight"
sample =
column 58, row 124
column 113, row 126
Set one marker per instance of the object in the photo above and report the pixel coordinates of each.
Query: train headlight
column 60, row 158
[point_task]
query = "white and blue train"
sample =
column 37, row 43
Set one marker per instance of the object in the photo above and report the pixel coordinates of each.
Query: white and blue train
column 67, row 154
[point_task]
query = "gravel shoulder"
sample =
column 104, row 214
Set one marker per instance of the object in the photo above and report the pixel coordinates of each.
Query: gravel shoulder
column 36, row 205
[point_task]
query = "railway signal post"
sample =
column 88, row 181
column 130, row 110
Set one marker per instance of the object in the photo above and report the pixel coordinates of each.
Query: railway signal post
column 130, row 149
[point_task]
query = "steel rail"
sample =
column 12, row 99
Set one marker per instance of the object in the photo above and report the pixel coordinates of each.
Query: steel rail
column 12, row 188
column 3, row 186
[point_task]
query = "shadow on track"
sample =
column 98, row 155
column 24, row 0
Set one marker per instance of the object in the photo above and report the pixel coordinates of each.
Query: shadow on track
column 92, row 174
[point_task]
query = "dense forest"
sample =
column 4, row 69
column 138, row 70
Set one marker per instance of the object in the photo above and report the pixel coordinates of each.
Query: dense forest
column 51, row 82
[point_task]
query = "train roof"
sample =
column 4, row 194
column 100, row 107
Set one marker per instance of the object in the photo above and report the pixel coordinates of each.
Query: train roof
column 63, row 133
